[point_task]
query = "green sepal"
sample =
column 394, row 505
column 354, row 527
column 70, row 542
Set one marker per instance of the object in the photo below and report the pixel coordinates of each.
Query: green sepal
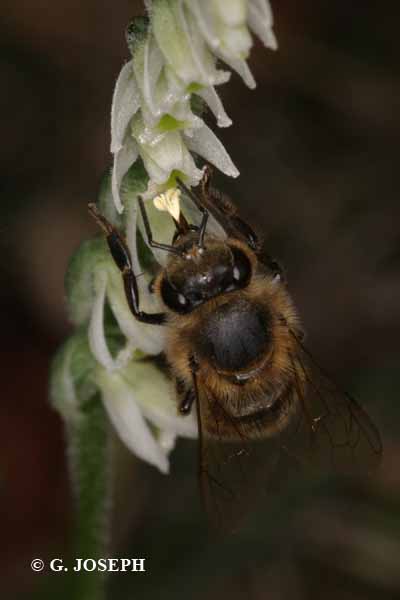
column 169, row 123
column 91, row 255
column 197, row 105
column 135, row 181
column 71, row 382
column 73, row 370
column 136, row 32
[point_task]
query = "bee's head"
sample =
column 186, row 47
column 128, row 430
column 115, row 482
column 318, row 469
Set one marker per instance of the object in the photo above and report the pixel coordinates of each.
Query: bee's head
column 199, row 273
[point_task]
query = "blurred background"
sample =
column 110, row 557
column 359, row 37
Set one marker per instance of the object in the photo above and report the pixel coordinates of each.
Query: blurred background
column 317, row 144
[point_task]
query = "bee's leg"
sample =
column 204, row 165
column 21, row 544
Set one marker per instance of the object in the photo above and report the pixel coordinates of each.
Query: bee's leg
column 149, row 234
column 121, row 255
column 186, row 396
column 186, row 404
column 223, row 209
column 202, row 209
column 194, row 367
column 235, row 225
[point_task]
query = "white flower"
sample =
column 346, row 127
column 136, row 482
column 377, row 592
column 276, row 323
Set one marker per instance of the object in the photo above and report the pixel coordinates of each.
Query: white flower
column 140, row 402
column 205, row 143
column 165, row 154
column 154, row 116
column 174, row 57
column 182, row 44
column 125, row 103
column 260, row 20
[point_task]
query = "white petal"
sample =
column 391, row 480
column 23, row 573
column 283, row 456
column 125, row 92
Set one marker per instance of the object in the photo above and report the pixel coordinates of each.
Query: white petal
column 193, row 174
column 97, row 339
column 235, row 41
column 202, row 57
column 131, row 234
column 155, row 394
column 167, row 155
column 156, row 172
column 171, row 41
column 181, row 111
column 233, row 13
column 205, row 21
column 125, row 355
column 167, row 440
column 188, row 57
column 126, row 416
column 205, row 143
column 260, row 20
column 152, row 64
column 66, row 399
column 125, row 103
column 212, row 99
column 149, row 338
column 184, row 426
column 145, row 127
column 240, row 66
column 123, row 160
column 170, row 89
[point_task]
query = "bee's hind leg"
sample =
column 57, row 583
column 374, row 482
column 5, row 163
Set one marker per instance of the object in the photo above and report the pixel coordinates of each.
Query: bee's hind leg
column 122, row 258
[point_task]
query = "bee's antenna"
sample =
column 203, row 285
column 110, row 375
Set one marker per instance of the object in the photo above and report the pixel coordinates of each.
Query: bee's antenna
column 200, row 206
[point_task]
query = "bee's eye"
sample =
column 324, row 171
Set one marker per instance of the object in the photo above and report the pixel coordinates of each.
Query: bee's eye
column 241, row 267
column 173, row 298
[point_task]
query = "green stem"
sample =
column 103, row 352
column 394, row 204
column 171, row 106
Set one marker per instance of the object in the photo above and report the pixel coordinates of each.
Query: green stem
column 89, row 458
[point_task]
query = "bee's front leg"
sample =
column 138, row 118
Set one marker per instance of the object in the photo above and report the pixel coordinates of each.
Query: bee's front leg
column 122, row 258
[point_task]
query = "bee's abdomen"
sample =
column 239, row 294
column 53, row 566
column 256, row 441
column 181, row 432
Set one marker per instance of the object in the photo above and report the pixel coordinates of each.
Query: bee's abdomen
column 236, row 335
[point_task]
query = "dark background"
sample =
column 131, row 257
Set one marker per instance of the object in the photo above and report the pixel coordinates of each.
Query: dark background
column 317, row 145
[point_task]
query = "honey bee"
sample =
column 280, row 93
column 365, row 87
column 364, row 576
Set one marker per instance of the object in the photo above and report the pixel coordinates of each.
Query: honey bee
column 234, row 347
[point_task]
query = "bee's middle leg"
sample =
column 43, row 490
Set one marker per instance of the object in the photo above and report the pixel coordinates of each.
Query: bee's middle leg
column 186, row 397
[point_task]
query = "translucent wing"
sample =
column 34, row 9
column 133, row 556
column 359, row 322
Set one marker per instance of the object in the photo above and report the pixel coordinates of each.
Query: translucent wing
column 313, row 425
column 233, row 465
column 335, row 432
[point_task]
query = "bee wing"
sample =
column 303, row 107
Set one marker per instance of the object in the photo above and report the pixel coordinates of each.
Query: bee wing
column 231, row 472
column 333, row 432
column 326, row 430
